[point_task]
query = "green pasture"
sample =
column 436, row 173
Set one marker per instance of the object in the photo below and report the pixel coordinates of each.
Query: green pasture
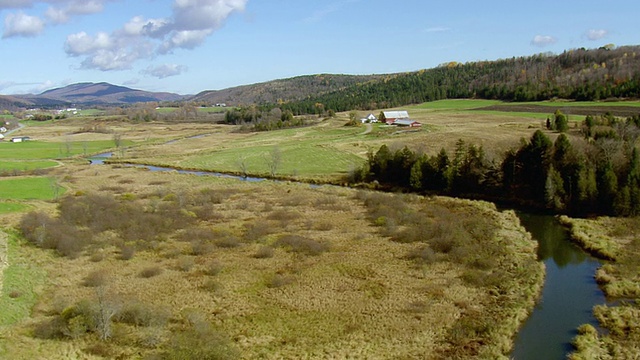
column 7, row 165
column 561, row 104
column 11, row 207
column 90, row 112
column 40, row 150
column 301, row 159
column 310, row 151
column 213, row 109
column 22, row 280
column 454, row 104
column 30, row 188
column 530, row 115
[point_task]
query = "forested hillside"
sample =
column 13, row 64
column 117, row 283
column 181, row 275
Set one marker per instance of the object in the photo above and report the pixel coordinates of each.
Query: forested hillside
column 292, row 89
column 579, row 74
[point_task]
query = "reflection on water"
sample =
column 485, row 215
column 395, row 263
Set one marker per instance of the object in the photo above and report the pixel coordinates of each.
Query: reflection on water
column 568, row 296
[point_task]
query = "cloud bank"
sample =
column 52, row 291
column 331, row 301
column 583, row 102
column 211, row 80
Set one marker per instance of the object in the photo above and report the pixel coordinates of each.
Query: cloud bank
column 543, row 40
column 596, row 34
column 191, row 22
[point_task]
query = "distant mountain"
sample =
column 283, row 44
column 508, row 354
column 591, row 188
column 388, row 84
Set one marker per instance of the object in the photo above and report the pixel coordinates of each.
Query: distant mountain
column 96, row 94
column 283, row 90
column 13, row 103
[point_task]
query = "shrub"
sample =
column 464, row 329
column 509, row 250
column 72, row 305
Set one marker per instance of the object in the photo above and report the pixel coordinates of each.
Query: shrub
column 300, row 244
column 213, row 267
column 279, row 280
column 264, row 252
column 96, row 278
column 422, row 255
column 228, row 241
column 127, row 252
column 197, row 233
column 201, row 247
column 257, row 230
column 201, row 343
column 212, row 286
column 185, row 263
column 139, row 314
column 151, row 271
column 283, row 215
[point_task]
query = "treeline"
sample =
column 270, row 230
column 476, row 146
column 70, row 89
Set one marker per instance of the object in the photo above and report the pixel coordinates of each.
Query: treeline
column 255, row 119
column 596, row 174
column 579, row 74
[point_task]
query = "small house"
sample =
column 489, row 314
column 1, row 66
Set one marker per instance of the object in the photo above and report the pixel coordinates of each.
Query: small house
column 369, row 119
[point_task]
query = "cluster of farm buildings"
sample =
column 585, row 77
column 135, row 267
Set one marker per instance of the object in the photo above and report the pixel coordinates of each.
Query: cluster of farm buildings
column 397, row 118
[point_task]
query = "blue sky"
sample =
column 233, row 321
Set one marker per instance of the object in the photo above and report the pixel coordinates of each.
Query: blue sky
column 187, row 46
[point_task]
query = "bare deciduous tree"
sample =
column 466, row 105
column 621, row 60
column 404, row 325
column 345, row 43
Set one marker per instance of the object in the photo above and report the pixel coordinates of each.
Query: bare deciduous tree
column 274, row 160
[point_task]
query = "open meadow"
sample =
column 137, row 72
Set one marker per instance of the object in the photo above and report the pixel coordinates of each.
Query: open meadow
column 113, row 261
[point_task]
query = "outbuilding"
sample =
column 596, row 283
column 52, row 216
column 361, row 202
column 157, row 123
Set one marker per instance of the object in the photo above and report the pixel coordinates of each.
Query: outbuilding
column 407, row 122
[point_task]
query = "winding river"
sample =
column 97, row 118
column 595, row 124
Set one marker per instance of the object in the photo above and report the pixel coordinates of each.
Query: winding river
column 568, row 295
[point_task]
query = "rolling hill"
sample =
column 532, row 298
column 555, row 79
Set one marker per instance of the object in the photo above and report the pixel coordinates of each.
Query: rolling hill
column 97, row 94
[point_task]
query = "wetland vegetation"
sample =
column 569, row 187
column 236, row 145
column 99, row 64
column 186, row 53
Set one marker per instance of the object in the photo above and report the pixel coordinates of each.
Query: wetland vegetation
column 113, row 260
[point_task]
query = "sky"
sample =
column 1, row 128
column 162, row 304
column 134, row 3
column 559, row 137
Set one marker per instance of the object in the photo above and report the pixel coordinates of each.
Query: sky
column 189, row 46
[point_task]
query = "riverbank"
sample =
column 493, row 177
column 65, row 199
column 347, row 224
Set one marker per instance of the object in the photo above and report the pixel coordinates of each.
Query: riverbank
column 618, row 241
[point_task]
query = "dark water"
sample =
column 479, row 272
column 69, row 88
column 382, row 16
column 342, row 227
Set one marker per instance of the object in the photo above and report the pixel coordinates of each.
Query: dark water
column 568, row 296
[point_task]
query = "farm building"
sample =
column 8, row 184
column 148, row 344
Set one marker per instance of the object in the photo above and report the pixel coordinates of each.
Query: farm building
column 369, row 119
column 391, row 116
column 407, row 122
column 20, row 139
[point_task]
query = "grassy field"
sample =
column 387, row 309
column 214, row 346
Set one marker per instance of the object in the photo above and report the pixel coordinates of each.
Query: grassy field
column 22, row 165
column 41, row 150
column 12, row 207
column 328, row 150
column 23, row 282
column 30, row 188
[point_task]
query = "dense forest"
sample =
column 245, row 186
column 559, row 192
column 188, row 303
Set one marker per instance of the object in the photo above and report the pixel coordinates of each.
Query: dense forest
column 596, row 174
column 579, row 74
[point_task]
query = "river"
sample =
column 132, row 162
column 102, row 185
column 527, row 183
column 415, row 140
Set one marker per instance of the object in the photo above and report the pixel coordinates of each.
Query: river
column 568, row 296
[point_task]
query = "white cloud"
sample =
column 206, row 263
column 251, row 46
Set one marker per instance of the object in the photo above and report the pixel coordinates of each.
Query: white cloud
column 190, row 23
column 437, row 29
column 166, row 70
column 596, row 34
column 543, row 40
column 21, row 24
column 16, row 4
column 60, row 15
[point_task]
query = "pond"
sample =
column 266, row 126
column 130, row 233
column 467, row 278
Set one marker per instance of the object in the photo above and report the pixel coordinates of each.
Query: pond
column 570, row 292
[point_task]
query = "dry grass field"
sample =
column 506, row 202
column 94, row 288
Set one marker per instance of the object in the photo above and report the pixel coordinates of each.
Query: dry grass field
column 284, row 270
column 184, row 266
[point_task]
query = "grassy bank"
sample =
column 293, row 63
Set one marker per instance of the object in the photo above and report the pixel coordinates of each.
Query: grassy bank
column 618, row 240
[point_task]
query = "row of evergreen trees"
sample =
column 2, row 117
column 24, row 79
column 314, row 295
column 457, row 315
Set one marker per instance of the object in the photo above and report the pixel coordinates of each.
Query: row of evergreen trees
column 577, row 74
column 581, row 176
